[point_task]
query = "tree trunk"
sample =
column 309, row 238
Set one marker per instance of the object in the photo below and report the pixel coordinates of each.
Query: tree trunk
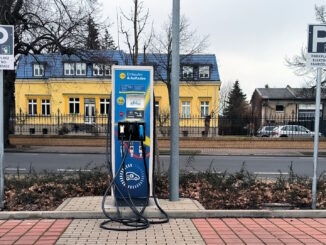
column 8, row 102
column 135, row 58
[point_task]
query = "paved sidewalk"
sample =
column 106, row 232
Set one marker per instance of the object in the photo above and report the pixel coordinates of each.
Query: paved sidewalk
column 177, row 231
column 262, row 231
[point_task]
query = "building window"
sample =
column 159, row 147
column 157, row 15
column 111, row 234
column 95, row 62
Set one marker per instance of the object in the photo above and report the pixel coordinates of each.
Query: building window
column 97, row 70
column 69, row 69
column 45, row 107
column 204, row 108
column 185, row 109
column 279, row 108
column 187, row 72
column 107, row 70
column 32, row 107
column 74, row 105
column 203, row 71
column 38, row 70
column 157, row 109
column 80, row 69
column 101, row 70
column 104, row 106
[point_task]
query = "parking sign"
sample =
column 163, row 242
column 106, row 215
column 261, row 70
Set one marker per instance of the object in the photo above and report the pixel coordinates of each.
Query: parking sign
column 7, row 58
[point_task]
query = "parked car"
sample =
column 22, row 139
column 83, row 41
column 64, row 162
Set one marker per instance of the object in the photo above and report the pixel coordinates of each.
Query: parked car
column 292, row 131
column 265, row 131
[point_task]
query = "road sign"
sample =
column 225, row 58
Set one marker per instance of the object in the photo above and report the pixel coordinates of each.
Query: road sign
column 316, row 58
column 7, row 58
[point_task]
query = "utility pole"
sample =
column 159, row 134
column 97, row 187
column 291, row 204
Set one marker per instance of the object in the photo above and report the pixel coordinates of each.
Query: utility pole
column 7, row 62
column 2, row 177
column 174, row 145
column 316, row 139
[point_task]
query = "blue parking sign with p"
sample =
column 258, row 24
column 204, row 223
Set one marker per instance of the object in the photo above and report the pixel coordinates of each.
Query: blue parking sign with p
column 317, row 39
column 6, row 47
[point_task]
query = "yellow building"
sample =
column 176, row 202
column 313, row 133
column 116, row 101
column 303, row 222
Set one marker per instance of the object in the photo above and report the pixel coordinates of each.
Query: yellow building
column 54, row 91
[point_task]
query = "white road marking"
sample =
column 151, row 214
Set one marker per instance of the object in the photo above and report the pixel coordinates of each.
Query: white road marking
column 271, row 173
column 15, row 169
column 72, row 170
column 261, row 157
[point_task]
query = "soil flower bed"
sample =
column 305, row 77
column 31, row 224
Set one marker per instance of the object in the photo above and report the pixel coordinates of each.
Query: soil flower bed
column 241, row 190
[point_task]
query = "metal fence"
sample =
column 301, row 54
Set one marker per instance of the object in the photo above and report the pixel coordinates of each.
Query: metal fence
column 194, row 126
column 258, row 126
column 60, row 124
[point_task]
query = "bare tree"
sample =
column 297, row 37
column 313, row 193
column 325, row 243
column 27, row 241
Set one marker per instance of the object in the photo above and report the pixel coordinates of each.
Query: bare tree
column 135, row 37
column 223, row 96
column 44, row 26
column 298, row 62
column 161, row 48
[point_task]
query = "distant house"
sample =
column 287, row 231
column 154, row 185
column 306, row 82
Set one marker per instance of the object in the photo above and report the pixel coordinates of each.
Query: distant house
column 285, row 105
column 79, row 88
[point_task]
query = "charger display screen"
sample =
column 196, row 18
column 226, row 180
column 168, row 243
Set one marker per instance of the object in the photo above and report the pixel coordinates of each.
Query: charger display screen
column 135, row 101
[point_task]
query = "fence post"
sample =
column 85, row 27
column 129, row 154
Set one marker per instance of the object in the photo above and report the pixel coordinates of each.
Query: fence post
column 58, row 121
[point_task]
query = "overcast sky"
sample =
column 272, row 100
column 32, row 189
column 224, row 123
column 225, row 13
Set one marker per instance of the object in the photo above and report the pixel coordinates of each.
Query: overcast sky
column 250, row 38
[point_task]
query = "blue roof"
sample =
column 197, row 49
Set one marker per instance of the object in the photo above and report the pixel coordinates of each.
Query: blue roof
column 54, row 63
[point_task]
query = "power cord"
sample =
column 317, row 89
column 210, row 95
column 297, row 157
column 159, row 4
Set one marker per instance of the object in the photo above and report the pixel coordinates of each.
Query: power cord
column 139, row 222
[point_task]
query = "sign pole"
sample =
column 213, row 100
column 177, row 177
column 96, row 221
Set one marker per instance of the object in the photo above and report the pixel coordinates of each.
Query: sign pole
column 316, row 139
column 1, row 142
column 174, row 145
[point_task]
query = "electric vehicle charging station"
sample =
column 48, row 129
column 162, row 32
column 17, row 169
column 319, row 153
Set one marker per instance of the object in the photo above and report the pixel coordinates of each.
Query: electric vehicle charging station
column 132, row 149
column 132, row 120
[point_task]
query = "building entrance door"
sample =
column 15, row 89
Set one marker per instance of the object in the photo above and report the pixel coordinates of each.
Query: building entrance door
column 89, row 111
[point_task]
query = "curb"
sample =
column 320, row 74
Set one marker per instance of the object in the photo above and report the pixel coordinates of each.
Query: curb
column 172, row 214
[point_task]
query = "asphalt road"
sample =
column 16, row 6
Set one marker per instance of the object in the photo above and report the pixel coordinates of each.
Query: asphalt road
column 262, row 166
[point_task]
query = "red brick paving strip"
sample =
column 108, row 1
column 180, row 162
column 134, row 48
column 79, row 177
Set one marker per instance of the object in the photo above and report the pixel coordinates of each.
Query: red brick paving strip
column 207, row 232
column 262, row 231
column 31, row 231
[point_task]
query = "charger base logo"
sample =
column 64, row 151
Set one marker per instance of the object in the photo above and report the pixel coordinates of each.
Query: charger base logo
column 120, row 100
column 135, row 176
column 122, row 76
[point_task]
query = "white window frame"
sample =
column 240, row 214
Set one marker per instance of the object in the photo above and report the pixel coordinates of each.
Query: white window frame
column 105, row 102
column 204, row 72
column 204, row 108
column 38, row 70
column 100, row 70
column 44, row 104
column 74, row 102
column 32, row 103
column 185, row 109
column 80, row 69
column 97, row 70
column 107, row 70
column 187, row 72
column 69, row 69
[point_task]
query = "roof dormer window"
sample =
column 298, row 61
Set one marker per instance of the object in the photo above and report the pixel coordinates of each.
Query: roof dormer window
column 187, row 72
column 38, row 70
column 69, row 69
column 203, row 72
column 101, row 70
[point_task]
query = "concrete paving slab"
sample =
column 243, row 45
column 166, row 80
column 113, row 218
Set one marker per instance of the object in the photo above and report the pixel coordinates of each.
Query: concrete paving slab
column 94, row 203
column 88, row 231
